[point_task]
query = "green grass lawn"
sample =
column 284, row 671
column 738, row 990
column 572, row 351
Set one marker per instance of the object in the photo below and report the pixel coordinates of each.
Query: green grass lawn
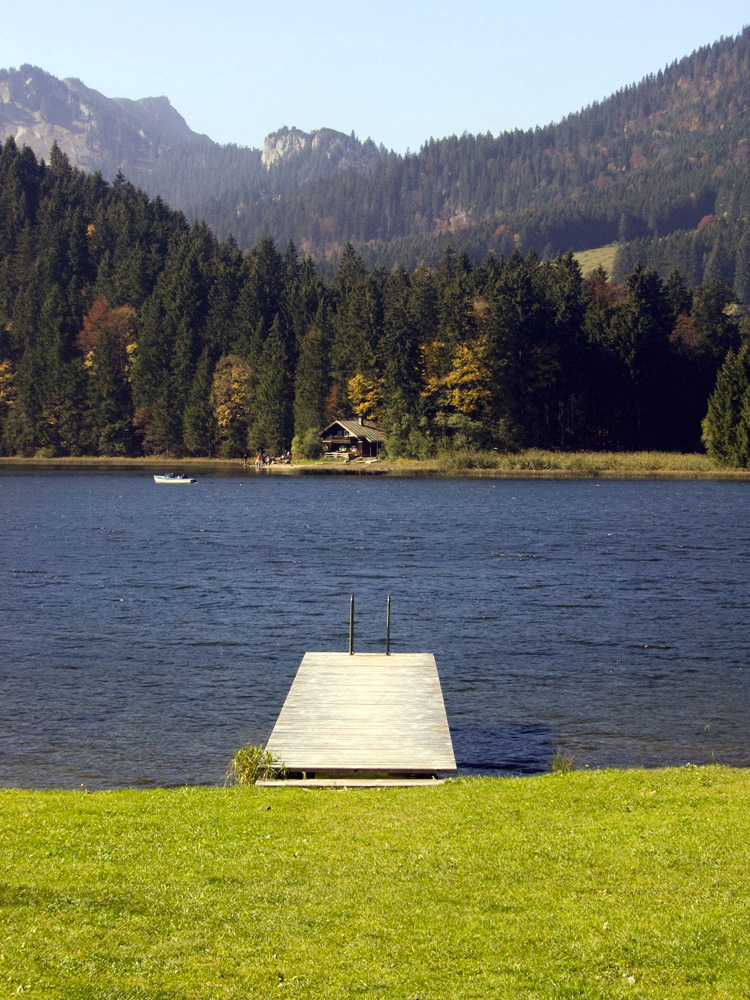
column 589, row 884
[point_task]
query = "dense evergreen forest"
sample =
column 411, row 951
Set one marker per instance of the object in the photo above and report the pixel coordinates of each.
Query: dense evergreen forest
column 126, row 331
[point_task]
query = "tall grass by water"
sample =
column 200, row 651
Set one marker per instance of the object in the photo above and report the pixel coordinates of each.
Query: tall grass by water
column 582, row 884
column 586, row 463
column 458, row 461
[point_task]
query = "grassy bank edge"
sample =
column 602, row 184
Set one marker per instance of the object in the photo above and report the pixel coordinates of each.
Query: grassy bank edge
column 529, row 464
column 591, row 884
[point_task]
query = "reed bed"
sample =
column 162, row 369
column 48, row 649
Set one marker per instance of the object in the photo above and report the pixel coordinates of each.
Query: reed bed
column 585, row 463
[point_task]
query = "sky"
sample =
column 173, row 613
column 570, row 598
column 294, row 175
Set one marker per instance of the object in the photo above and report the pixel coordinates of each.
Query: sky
column 396, row 71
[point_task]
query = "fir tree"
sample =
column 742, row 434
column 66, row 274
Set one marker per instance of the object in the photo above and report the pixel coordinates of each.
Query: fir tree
column 726, row 427
column 272, row 429
column 199, row 421
column 311, row 383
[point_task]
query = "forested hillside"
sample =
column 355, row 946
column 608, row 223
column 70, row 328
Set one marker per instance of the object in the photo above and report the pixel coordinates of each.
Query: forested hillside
column 661, row 166
column 654, row 159
column 126, row 331
column 650, row 164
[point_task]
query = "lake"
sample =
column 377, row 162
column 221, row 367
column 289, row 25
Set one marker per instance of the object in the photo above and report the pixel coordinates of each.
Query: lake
column 148, row 631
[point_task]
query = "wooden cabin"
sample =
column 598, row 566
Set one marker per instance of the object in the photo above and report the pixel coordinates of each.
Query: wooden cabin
column 352, row 439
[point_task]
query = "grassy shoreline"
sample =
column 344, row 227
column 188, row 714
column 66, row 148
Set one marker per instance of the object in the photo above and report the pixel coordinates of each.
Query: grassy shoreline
column 529, row 464
column 588, row 884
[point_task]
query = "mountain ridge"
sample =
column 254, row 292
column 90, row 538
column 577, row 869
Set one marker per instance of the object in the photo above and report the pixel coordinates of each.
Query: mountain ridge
column 38, row 110
column 138, row 137
column 650, row 160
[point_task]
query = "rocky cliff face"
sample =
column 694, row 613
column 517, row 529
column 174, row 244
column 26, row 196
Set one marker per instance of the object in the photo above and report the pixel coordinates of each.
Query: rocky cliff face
column 95, row 132
column 321, row 145
column 283, row 145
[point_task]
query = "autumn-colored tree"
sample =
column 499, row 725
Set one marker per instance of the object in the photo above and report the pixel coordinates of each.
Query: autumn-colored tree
column 436, row 363
column 107, row 345
column 110, row 328
column 366, row 396
column 467, row 386
column 7, row 393
column 337, row 404
column 232, row 401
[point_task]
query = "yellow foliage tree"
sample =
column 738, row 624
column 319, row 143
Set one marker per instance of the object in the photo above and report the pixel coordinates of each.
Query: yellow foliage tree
column 467, row 384
column 458, row 382
column 366, row 395
column 7, row 388
column 231, row 395
column 436, row 363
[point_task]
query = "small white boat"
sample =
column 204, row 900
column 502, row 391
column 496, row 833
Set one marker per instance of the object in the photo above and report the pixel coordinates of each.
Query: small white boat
column 172, row 477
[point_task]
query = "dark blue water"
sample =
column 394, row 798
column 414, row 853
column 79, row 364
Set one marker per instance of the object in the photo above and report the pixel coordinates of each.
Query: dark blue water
column 147, row 631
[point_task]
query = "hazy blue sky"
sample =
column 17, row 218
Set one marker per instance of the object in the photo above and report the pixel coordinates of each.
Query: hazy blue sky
column 398, row 71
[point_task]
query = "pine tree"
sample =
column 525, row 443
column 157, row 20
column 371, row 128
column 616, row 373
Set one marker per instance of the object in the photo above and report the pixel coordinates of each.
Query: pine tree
column 641, row 328
column 311, row 382
column 742, row 267
column 266, row 281
column 198, row 422
column 678, row 294
column 713, row 319
column 357, row 323
column 521, row 350
column 400, row 355
column 565, row 404
column 726, row 427
column 272, row 429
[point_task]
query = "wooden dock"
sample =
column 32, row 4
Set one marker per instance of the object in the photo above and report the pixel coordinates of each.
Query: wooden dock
column 362, row 714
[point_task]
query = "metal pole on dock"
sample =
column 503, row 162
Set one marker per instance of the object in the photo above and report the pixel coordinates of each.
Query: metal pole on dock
column 351, row 626
column 388, row 626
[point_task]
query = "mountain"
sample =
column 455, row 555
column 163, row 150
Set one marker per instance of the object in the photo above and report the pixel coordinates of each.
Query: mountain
column 96, row 132
column 646, row 167
column 150, row 143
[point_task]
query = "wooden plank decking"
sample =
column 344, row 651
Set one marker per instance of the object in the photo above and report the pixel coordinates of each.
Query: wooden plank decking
column 366, row 712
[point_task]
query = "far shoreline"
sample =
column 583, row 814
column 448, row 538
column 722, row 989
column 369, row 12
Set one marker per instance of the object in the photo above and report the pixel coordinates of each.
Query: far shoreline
column 587, row 467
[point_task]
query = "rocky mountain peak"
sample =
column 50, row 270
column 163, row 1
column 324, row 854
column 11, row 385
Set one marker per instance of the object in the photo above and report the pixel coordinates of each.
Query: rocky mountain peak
column 324, row 145
column 283, row 145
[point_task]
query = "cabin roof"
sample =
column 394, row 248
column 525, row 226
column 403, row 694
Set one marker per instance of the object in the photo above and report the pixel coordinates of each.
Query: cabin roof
column 355, row 429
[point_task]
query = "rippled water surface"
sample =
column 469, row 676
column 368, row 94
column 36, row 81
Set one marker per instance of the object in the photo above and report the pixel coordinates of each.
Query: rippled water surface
column 146, row 631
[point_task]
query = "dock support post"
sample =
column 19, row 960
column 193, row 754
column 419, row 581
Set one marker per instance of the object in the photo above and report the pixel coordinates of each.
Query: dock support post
column 351, row 626
column 388, row 626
